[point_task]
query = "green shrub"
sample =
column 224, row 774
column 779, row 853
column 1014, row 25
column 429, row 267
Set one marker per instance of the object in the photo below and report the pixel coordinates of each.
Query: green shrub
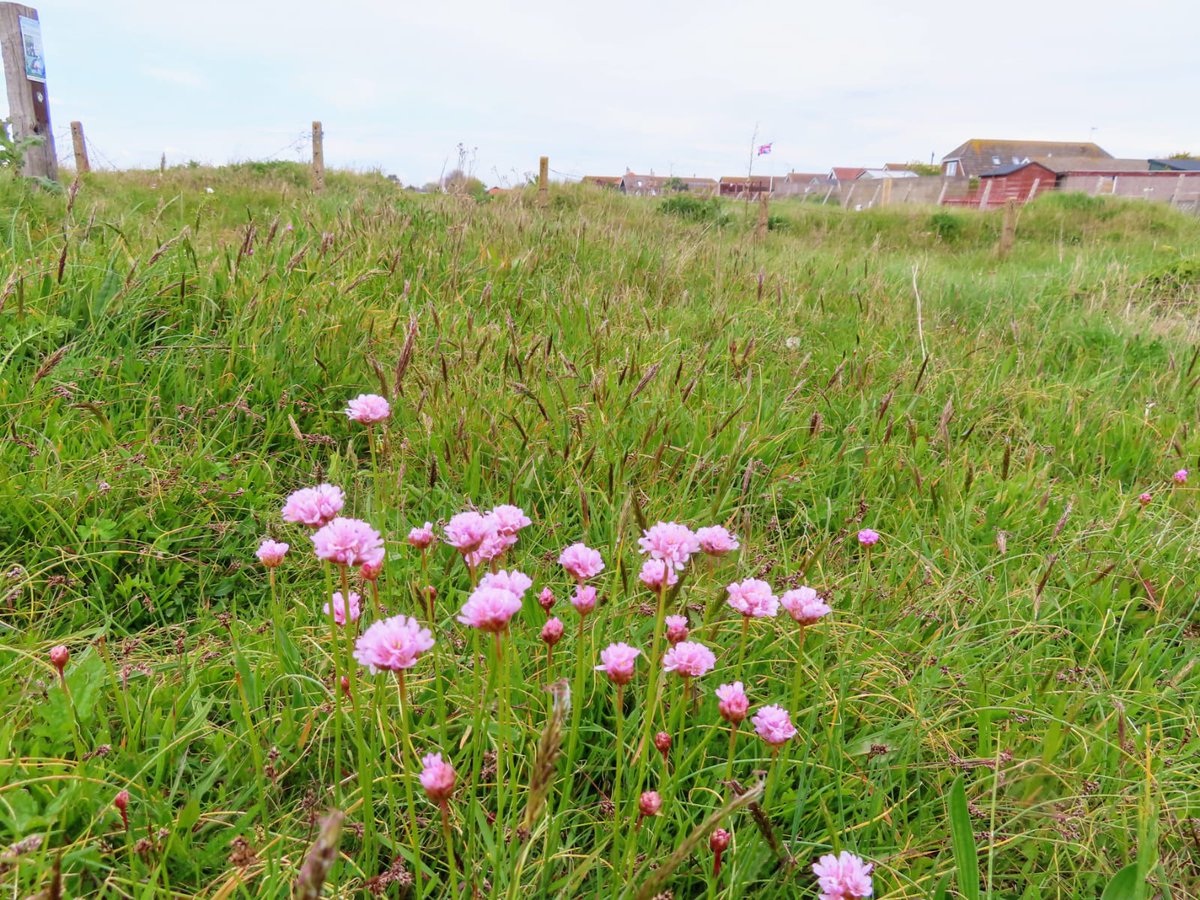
column 695, row 209
column 947, row 226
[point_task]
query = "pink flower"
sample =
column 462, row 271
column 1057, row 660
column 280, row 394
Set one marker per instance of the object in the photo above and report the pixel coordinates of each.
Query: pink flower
column 677, row 629
column 843, row 877
column 805, row 606
column 662, row 743
column 422, row 538
column 59, row 657
column 552, row 631
column 314, row 506
column 584, row 599
column 716, row 541
column 392, row 645
column 437, row 777
column 732, row 702
column 271, row 553
column 655, row 572
column 617, row 662
column 718, row 841
column 774, row 725
column 516, row 583
column 466, row 531
column 581, row 561
column 546, row 599
column 690, row 659
column 490, row 608
column 649, row 803
column 493, row 546
column 671, row 542
column 508, row 520
column 367, row 409
column 868, row 536
column 348, row 542
column 339, row 608
column 371, row 570
column 1181, row 476
column 753, row 599
column 1145, row 498
column 121, row 802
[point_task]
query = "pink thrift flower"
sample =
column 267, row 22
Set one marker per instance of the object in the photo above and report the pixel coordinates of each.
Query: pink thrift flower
column 552, row 631
column 689, row 659
column 546, row 599
column 805, row 606
column 617, row 662
column 1145, row 498
column 271, row 553
column 868, row 536
column 490, row 608
column 655, row 572
column 716, row 540
column 649, row 803
column 1181, row 476
column 677, row 629
column 370, row 571
column 581, row 561
column 121, row 802
column 516, row 583
column 339, row 608
column 843, row 877
column 366, row 409
column 437, row 777
column 466, row 531
column 314, row 506
column 671, row 542
column 348, row 542
column 422, row 538
column 392, row 645
column 584, row 599
column 59, row 657
column 508, row 520
column 732, row 702
column 753, row 599
column 662, row 743
column 774, row 725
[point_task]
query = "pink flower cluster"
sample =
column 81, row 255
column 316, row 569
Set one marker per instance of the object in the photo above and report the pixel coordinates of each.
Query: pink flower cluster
column 657, row 574
column 753, row 598
column 805, row 606
column 481, row 538
column 314, row 506
column 271, row 553
column 732, row 702
column 584, row 599
column 392, row 645
column 677, row 629
column 617, row 662
column 437, row 777
column 715, row 540
column 689, row 659
column 422, row 538
column 490, row 608
column 774, row 725
column 843, row 877
column 367, row 409
column 868, row 536
column 1181, row 476
column 670, row 542
column 349, row 542
column 339, row 608
column 581, row 561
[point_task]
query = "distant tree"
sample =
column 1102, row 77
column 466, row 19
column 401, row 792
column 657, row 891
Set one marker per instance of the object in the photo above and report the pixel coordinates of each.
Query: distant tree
column 924, row 168
column 1182, row 154
column 674, row 185
column 459, row 182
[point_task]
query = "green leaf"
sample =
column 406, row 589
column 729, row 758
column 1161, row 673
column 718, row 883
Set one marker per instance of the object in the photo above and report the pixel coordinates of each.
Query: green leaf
column 966, row 857
column 1124, row 885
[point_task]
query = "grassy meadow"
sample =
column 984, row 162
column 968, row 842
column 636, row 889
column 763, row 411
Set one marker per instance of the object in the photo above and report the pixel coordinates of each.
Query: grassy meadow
column 1003, row 702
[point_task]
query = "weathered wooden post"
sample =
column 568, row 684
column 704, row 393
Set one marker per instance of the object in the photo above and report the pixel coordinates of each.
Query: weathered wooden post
column 764, row 216
column 1008, row 230
column 885, row 197
column 25, row 76
column 82, row 165
column 318, row 157
column 543, row 179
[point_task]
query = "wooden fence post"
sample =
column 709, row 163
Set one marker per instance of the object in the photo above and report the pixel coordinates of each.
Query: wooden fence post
column 25, row 75
column 1008, row 231
column 942, row 192
column 318, row 157
column 885, row 198
column 764, row 216
column 82, row 165
column 543, row 178
column 987, row 192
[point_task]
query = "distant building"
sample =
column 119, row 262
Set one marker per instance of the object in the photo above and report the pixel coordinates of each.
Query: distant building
column 1018, row 181
column 658, row 185
column 978, row 155
column 799, row 184
column 1174, row 165
column 888, row 173
column 747, row 186
column 842, row 174
column 605, row 181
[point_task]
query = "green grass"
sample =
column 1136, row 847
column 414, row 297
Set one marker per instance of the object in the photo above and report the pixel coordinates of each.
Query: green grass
column 1024, row 625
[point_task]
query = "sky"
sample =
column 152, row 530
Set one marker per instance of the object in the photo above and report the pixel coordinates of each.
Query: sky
column 684, row 88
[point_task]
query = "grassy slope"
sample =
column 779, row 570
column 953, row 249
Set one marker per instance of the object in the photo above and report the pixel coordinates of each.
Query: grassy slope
column 594, row 362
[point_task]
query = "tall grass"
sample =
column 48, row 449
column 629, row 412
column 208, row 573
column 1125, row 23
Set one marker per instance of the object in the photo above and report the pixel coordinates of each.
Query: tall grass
column 175, row 361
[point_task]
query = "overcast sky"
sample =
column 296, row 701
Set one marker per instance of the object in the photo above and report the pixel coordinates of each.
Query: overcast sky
column 677, row 87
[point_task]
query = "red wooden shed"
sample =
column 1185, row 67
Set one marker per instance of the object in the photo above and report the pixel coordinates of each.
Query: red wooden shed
column 1019, row 181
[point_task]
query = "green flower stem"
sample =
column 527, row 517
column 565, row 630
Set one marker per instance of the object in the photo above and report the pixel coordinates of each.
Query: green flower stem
column 407, row 759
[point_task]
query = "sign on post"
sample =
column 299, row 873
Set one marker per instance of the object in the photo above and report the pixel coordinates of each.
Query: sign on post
column 25, row 77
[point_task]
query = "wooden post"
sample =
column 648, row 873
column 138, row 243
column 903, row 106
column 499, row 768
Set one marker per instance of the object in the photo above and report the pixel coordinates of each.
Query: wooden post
column 25, row 75
column 885, row 198
column 1033, row 190
column 162, row 164
column 987, row 192
column 1178, row 188
column 82, row 165
column 318, row 157
column 1008, row 231
column 543, row 178
column 764, row 216
column 942, row 192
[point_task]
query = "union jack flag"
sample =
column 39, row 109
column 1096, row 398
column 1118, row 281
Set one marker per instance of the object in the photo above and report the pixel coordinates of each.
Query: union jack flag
column 764, row 149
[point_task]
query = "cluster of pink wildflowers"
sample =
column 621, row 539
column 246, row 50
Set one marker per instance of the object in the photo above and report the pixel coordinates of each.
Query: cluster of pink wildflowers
column 490, row 609
column 367, row 409
column 690, row 659
column 843, row 877
column 617, row 662
column 348, row 542
column 340, row 608
column 753, row 598
column 392, row 645
column 805, row 606
column 314, row 506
